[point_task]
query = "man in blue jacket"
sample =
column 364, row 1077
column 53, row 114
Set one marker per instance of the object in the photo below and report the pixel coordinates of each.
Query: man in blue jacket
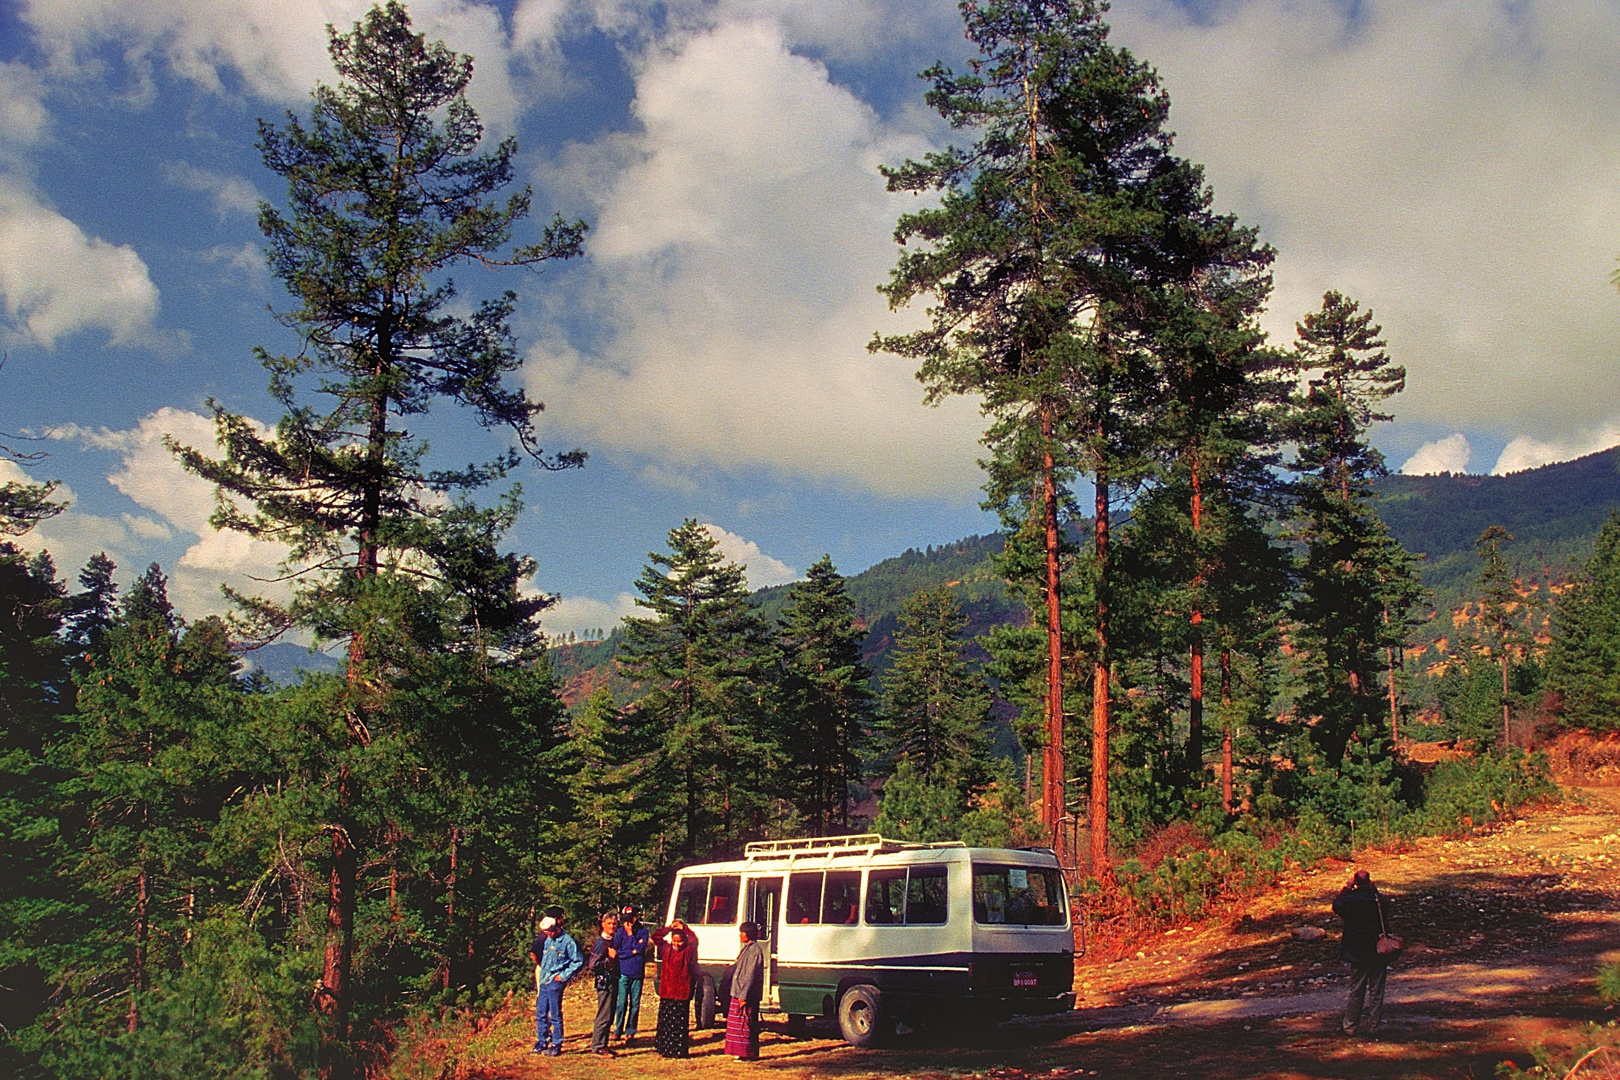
column 632, row 943
column 556, row 960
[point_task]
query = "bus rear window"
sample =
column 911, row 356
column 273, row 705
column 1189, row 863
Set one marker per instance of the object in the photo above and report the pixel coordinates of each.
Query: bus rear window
column 1018, row 895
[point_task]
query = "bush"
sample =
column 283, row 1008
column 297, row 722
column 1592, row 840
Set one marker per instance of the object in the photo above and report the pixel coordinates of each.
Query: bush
column 1598, row 1047
column 1608, row 981
column 1479, row 790
column 1184, row 869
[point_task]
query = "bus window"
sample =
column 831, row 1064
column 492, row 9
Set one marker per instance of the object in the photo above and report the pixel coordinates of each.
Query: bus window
column 723, row 900
column 690, row 896
column 804, row 899
column 925, row 896
column 1021, row 895
column 841, row 901
column 886, row 897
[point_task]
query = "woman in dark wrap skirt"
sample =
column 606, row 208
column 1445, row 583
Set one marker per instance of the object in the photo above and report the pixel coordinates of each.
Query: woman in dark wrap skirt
column 747, row 987
column 677, row 980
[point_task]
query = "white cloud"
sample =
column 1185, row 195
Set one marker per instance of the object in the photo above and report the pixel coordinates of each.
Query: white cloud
column 740, row 237
column 230, row 193
column 151, row 476
column 1449, row 162
column 56, row 281
column 144, row 527
column 276, row 47
column 581, row 613
column 1450, row 454
column 762, row 571
column 23, row 118
column 1528, row 453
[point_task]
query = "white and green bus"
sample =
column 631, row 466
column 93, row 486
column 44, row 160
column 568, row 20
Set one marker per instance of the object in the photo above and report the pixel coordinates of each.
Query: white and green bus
column 874, row 931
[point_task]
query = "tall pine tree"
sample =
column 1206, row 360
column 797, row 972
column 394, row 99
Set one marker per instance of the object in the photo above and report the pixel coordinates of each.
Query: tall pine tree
column 708, row 655
column 1357, row 583
column 1583, row 660
column 825, row 699
column 1031, row 255
column 387, row 191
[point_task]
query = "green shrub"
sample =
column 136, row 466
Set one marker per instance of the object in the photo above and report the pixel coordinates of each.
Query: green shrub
column 1600, row 1041
column 1479, row 790
column 1608, row 981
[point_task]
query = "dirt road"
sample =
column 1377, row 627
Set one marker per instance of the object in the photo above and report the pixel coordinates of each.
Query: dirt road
column 1504, row 931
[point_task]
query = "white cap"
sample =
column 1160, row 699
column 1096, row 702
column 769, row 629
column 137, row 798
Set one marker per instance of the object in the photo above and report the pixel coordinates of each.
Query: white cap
column 547, row 923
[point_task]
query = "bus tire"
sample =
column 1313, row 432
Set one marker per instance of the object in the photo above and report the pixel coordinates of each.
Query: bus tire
column 705, row 1003
column 860, row 1016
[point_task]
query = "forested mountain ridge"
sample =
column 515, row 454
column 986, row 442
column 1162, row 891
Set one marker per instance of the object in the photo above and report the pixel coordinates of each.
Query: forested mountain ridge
column 1553, row 512
column 879, row 591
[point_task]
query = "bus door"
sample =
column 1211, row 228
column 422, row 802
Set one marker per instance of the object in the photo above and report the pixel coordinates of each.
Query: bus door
column 765, row 911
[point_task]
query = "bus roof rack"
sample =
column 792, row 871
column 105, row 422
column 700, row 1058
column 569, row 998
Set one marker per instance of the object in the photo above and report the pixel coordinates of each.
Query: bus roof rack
column 833, row 846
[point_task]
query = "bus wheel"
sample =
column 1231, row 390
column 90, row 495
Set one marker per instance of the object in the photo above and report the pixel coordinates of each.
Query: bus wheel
column 860, row 1015
column 705, row 1004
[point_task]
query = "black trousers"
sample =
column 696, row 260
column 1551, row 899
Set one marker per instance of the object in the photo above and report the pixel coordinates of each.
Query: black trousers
column 1365, row 1006
column 606, row 1000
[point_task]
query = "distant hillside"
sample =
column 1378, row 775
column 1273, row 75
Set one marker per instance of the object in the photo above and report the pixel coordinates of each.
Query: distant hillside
column 878, row 592
column 1553, row 512
column 881, row 590
column 282, row 662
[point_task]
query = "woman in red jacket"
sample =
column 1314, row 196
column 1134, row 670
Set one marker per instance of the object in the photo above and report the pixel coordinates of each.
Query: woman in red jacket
column 677, row 979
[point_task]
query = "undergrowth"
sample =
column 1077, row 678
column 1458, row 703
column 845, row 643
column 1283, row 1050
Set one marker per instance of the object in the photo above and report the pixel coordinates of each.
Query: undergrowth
column 458, row 1038
column 1188, row 869
column 1595, row 1055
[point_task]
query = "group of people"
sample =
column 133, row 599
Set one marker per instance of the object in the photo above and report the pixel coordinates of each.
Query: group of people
column 617, row 965
column 622, row 946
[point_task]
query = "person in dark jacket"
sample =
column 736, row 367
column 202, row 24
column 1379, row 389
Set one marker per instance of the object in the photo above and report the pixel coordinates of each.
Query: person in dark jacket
column 604, row 966
column 747, row 987
column 677, row 983
column 1366, row 916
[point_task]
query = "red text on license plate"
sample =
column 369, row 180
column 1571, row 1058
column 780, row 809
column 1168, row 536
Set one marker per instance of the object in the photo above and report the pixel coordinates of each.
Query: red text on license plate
column 1025, row 977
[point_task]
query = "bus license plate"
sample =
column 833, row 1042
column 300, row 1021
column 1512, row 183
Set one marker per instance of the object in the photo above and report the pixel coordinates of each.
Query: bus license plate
column 1025, row 977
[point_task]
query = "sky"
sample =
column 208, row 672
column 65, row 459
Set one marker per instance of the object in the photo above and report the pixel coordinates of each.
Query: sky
column 1452, row 164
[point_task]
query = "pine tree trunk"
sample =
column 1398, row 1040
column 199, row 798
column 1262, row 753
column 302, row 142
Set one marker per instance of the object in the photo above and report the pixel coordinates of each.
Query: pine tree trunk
column 1052, row 808
column 137, row 984
column 1195, row 703
column 1226, row 733
column 1100, row 867
column 450, row 908
column 1507, row 730
column 332, row 997
column 1394, row 700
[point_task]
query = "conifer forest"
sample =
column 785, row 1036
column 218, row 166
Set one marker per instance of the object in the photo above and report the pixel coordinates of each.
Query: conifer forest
column 208, row 872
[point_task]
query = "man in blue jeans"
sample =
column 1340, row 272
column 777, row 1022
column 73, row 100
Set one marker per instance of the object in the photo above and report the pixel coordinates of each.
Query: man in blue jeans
column 556, row 960
column 631, row 942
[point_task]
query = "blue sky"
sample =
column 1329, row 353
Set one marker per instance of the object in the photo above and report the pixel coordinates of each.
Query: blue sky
column 1454, row 165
